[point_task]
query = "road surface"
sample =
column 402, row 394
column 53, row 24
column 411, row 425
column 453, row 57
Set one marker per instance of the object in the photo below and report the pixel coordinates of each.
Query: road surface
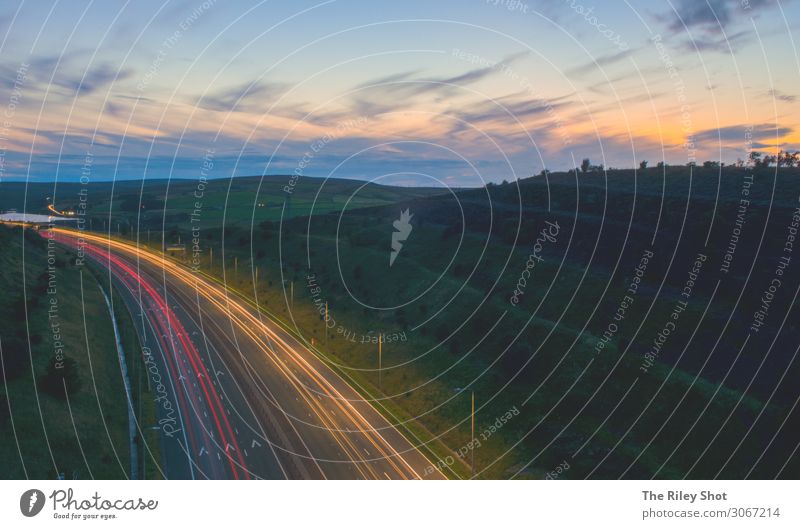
column 238, row 397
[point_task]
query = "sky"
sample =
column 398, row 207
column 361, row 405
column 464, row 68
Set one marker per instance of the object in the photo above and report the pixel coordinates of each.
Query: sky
column 445, row 93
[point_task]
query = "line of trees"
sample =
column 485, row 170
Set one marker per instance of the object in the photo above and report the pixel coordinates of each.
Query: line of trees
column 754, row 159
column 782, row 159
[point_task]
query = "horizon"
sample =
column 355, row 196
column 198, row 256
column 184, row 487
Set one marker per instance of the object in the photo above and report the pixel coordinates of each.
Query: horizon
column 594, row 170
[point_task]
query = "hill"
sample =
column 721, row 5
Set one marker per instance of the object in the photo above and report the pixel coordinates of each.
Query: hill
column 622, row 335
column 45, row 345
column 161, row 204
column 609, row 321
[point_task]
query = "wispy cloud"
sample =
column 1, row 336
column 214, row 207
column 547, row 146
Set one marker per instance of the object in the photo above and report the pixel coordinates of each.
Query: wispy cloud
column 92, row 80
column 255, row 96
column 506, row 110
column 599, row 63
column 710, row 21
column 738, row 133
column 53, row 73
column 719, row 43
column 407, row 85
column 773, row 93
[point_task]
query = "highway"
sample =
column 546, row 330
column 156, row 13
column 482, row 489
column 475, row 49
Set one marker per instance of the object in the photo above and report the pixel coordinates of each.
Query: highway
column 237, row 396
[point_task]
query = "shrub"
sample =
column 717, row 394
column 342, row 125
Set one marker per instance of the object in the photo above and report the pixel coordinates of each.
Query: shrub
column 4, row 413
column 60, row 375
column 15, row 356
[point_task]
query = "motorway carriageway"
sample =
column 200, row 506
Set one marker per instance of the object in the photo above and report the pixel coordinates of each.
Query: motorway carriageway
column 238, row 397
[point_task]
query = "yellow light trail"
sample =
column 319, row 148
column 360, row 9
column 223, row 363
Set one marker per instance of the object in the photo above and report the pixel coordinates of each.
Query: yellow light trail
column 247, row 322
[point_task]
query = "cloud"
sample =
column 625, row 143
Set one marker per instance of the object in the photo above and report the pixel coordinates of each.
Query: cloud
column 621, row 103
column 738, row 133
column 611, row 84
column 92, row 80
column 781, row 96
column 706, row 14
column 503, row 109
column 598, row 63
column 710, row 15
column 397, row 91
column 709, row 21
column 76, row 81
column 80, row 140
column 249, row 96
column 478, row 74
column 722, row 43
column 389, row 79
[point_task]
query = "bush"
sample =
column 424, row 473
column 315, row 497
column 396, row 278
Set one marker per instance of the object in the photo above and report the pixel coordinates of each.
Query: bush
column 33, row 238
column 515, row 357
column 441, row 332
column 60, row 375
column 454, row 347
column 15, row 356
column 4, row 413
column 18, row 308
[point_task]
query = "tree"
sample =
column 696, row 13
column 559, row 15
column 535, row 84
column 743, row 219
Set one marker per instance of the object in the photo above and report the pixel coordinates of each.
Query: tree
column 60, row 375
column 710, row 164
column 515, row 356
column 661, row 165
column 755, row 158
column 15, row 354
column 4, row 413
column 643, row 165
column 585, row 165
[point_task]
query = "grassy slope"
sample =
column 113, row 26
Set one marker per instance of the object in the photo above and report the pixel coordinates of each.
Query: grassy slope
column 88, row 438
column 557, row 355
column 241, row 200
column 553, row 355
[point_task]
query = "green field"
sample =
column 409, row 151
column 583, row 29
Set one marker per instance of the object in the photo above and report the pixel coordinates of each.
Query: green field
column 461, row 334
column 696, row 411
column 157, row 205
column 82, row 434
